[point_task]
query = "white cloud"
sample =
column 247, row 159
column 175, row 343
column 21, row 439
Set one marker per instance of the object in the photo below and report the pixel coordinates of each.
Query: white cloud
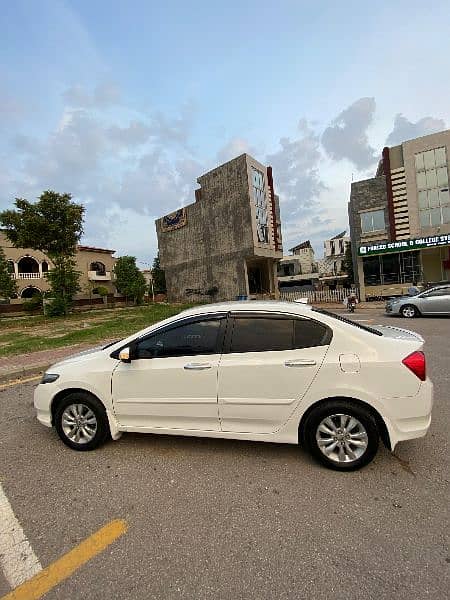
column 346, row 136
column 407, row 130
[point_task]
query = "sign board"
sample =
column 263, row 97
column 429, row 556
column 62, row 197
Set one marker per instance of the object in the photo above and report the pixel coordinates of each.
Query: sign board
column 175, row 220
column 405, row 245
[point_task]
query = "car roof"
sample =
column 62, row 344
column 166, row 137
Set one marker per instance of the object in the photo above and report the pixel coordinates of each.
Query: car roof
column 250, row 306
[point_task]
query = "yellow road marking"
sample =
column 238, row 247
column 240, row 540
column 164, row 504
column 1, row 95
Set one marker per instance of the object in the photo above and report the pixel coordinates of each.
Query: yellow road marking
column 61, row 569
column 18, row 381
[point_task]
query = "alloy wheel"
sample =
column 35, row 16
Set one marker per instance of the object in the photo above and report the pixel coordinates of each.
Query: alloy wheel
column 79, row 423
column 342, row 438
column 409, row 312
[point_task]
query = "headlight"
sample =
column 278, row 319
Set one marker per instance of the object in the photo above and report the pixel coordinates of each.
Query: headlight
column 49, row 377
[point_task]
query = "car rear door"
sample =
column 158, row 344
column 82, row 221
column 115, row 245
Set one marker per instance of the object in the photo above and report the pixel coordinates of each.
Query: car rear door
column 269, row 362
column 436, row 301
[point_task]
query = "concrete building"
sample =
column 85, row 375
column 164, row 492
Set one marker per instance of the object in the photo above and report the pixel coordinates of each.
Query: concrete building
column 331, row 273
column 298, row 271
column 228, row 242
column 400, row 219
column 28, row 268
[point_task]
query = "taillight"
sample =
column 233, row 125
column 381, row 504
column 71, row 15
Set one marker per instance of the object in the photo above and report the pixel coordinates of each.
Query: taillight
column 417, row 364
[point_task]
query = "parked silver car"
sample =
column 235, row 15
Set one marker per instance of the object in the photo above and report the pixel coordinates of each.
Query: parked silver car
column 434, row 301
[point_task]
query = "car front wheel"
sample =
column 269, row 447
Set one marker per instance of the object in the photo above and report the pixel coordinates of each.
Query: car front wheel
column 341, row 435
column 81, row 421
column 409, row 311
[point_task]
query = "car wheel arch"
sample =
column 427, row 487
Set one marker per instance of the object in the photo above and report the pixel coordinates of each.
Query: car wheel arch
column 59, row 397
column 382, row 428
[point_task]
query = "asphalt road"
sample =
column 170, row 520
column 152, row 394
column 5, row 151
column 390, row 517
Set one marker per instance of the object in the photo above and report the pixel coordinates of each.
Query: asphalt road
column 230, row 520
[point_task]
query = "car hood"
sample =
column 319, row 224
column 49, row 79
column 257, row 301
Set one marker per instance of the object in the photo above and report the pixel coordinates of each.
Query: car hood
column 398, row 333
column 86, row 355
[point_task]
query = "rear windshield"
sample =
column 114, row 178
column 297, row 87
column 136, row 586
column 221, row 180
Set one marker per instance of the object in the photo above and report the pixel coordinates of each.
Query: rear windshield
column 344, row 320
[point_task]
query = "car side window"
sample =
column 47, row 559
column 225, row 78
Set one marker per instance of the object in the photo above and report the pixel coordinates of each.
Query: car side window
column 260, row 334
column 439, row 292
column 309, row 333
column 198, row 337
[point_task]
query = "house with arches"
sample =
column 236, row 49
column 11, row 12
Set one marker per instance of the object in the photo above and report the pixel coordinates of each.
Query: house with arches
column 29, row 267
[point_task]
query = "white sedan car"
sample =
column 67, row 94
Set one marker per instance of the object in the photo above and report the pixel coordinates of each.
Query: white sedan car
column 269, row 371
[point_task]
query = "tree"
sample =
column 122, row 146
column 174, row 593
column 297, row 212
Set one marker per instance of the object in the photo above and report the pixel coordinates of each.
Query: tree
column 159, row 277
column 8, row 287
column 54, row 225
column 347, row 263
column 130, row 281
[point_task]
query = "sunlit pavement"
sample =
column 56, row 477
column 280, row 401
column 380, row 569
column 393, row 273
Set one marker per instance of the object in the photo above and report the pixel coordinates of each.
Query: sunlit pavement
column 229, row 519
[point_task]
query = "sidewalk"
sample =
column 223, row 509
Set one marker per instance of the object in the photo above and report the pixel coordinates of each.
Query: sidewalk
column 26, row 365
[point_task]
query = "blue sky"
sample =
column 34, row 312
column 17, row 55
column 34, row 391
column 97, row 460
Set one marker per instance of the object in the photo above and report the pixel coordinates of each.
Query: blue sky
column 124, row 104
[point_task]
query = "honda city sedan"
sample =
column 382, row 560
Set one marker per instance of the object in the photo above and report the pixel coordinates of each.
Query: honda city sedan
column 434, row 301
column 268, row 371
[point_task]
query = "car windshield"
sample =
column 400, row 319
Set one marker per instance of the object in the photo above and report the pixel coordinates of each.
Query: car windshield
column 348, row 321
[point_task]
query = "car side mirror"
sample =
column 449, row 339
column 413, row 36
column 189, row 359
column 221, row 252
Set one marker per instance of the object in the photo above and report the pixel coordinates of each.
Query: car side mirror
column 125, row 355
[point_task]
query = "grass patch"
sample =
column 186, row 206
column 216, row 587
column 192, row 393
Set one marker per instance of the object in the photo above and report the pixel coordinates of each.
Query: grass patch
column 32, row 333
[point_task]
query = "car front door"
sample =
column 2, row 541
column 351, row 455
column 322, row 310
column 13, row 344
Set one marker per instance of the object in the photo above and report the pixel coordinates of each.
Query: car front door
column 436, row 302
column 171, row 382
column 269, row 362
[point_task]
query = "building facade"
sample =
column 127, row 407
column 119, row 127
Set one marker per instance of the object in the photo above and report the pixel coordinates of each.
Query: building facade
column 298, row 271
column 28, row 267
column 228, row 242
column 400, row 219
column 331, row 266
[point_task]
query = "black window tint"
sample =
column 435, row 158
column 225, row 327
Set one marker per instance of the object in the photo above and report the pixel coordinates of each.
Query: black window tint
column 309, row 333
column 439, row 292
column 254, row 334
column 199, row 337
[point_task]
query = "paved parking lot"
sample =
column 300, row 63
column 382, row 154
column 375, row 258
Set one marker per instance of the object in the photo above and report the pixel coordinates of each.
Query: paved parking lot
column 227, row 519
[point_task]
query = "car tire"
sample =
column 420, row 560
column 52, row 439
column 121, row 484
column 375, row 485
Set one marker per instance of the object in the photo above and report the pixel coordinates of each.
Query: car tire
column 409, row 311
column 81, row 422
column 354, row 438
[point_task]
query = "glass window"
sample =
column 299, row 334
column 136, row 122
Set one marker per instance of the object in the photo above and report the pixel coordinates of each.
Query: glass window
column 308, row 334
column 433, row 198
column 390, row 266
column 419, row 162
column 440, row 157
column 260, row 334
column 424, row 218
column 372, row 221
column 428, row 159
column 446, row 214
column 372, row 270
column 435, row 216
column 423, row 199
column 442, row 176
column 199, row 337
column 421, row 180
column 440, row 292
column 431, row 177
column 444, row 197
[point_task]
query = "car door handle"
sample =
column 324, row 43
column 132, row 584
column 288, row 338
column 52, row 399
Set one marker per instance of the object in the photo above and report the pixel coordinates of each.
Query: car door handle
column 197, row 366
column 300, row 362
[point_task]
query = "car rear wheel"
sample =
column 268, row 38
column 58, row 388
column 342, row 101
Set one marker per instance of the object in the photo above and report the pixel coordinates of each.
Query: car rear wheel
column 409, row 311
column 81, row 421
column 341, row 435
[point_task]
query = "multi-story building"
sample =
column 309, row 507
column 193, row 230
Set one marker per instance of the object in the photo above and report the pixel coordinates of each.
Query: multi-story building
column 298, row 271
column 400, row 219
column 28, row 267
column 228, row 242
column 331, row 270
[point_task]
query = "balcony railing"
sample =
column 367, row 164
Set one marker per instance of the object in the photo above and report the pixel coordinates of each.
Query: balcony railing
column 99, row 276
column 26, row 276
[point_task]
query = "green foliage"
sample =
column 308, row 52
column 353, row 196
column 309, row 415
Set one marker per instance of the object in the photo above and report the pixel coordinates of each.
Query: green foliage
column 129, row 280
column 33, row 304
column 63, row 279
column 8, row 287
column 53, row 224
column 159, row 277
column 347, row 264
column 101, row 290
